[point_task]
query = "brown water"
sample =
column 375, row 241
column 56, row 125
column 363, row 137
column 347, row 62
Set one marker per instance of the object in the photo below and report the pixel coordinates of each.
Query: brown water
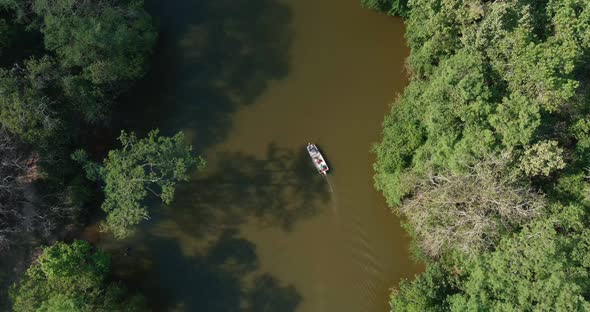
column 250, row 83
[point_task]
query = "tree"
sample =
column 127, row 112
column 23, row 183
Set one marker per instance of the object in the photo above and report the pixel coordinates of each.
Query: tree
column 101, row 45
column 439, row 123
column 26, row 110
column 13, row 171
column 536, row 270
column 32, row 109
column 391, row 7
column 72, row 278
column 488, row 77
column 27, row 206
column 542, row 158
column 468, row 212
column 107, row 41
column 493, row 78
column 428, row 292
column 152, row 165
column 515, row 120
column 432, row 33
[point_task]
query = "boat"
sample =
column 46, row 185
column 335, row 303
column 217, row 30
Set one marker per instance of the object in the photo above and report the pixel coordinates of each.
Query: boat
column 318, row 160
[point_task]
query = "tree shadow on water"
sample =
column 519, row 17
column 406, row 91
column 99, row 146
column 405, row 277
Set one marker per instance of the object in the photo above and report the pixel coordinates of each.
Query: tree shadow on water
column 212, row 57
column 278, row 190
column 221, row 278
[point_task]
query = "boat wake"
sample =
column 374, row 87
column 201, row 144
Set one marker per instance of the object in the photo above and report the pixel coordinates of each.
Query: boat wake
column 333, row 196
column 330, row 184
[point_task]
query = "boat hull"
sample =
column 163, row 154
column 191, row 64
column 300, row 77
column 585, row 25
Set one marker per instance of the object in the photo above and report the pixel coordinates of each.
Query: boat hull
column 317, row 158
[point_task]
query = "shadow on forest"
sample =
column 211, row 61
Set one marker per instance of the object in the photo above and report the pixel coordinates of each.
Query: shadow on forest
column 222, row 278
column 211, row 58
column 278, row 190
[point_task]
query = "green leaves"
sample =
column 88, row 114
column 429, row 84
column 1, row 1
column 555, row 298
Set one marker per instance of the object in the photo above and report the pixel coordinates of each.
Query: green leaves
column 391, row 7
column 142, row 167
column 516, row 120
column 529, row 272
column 493, row 78
column 440, row 122
column 71, row 278
column 92, row 169
column 107, row 42
column 68, row 68
column 99, row 47
column 26, row 110
column 542, row 158
column 427, row 293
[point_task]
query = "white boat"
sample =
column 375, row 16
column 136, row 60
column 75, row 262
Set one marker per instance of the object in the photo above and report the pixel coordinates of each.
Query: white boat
column 318, row 160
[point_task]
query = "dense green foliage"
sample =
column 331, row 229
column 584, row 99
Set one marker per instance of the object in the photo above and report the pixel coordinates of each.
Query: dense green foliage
column 391, row 7
column 427, row 293
column 26, row 110
column 90, row 51
column 535, row 269
column 71, row 278
column 72, row 60
column 501, row 80
column 99, row 46
column 63, row 64
column 105, row 43
column 151, row 165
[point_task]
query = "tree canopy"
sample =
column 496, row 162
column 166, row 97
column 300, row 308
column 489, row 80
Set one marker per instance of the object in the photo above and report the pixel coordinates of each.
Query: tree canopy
column 107, row 42
column 72, row 277
column 493, row 79
column 26, row 110
column 149, row 166
column 536, row 270
column 63, row 65
column 391, row 7
column 468, row 212
column 100, row 46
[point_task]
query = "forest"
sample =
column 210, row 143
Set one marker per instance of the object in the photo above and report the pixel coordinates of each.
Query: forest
column 63, row 65
column 486, row 154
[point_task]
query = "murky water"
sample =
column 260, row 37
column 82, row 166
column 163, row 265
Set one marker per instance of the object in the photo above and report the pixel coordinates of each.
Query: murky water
column 250, row 82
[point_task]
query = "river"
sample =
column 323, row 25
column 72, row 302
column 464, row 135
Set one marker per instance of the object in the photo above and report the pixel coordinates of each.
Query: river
column 250, row 82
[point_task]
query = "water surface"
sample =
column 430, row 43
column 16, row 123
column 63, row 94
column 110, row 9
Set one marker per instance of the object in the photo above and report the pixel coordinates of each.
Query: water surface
column 250, row 83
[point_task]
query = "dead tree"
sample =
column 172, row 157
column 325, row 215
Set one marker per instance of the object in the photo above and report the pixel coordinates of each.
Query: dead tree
column 467, row 212
column 13, row 172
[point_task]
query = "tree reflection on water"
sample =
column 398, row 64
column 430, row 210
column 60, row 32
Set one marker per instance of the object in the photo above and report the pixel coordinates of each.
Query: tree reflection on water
column 194, row 247
column 222, row 277
column 278, row 190
column 212, row 58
